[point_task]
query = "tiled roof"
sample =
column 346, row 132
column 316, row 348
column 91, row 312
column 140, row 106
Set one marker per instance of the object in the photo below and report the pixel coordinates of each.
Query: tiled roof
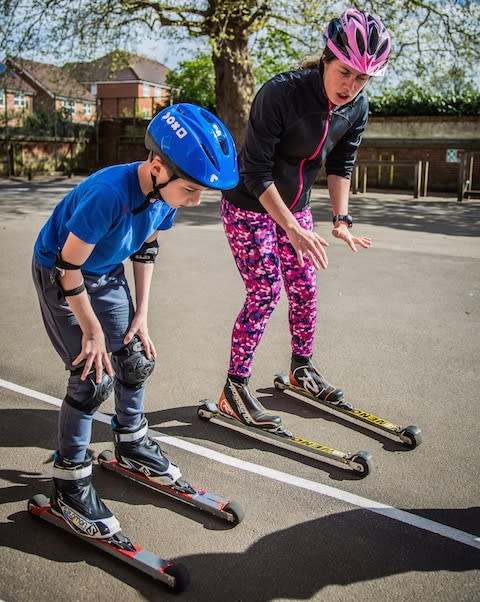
column 50, row 78
column 119, row 66
column 12, row 83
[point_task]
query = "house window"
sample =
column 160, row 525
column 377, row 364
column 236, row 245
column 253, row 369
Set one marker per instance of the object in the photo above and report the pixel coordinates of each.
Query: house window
column 88, row 108
column 146, row 89
column 2, row 99
column 158, row 91
column 93, row 89
column 69, row 105
column 19, row 100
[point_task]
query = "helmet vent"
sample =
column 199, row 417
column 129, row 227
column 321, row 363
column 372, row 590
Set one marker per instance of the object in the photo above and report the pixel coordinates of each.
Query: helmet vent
column 207, row 117
column 209, row 155
column 373, row 40
column 382, row 49
column 223, row 146
column 360, row 42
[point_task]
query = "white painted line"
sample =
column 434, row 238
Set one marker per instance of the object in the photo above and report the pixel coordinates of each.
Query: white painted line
column 401, row 516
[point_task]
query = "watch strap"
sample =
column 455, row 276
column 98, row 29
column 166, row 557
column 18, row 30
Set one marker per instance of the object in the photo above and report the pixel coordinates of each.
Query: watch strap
column 343, row 218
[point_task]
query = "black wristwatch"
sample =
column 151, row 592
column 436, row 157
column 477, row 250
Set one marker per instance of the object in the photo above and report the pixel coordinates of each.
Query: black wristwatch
column 343, row 218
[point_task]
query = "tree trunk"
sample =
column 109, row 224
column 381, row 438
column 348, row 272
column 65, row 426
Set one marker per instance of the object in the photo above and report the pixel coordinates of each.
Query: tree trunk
column 234, row 85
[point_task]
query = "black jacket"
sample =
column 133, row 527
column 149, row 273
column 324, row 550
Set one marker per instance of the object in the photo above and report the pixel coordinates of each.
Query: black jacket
column 292, row 130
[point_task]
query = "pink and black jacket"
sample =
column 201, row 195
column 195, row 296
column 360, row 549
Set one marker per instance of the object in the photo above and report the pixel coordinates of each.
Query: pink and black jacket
column 293, row 129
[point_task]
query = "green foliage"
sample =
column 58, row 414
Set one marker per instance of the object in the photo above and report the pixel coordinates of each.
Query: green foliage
column 412, row 99
column 44, row 124
column 274, row 51
column 194, row 81
column 39, row 123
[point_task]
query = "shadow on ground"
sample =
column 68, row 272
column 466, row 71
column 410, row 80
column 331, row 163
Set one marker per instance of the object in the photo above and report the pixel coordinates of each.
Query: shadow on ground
column 392, row 210
column 27, row 428
column 293, row 563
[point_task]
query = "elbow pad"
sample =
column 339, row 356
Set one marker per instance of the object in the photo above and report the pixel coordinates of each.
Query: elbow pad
column 58, row 271
column 147, row 253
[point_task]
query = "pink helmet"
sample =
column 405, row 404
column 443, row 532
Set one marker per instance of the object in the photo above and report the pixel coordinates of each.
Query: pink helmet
column 360, row 40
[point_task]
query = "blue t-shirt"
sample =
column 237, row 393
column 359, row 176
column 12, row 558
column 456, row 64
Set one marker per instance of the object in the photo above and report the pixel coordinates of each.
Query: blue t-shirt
column 99, row 212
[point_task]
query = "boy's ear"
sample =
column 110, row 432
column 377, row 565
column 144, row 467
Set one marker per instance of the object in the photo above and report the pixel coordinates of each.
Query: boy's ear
column 157, row 167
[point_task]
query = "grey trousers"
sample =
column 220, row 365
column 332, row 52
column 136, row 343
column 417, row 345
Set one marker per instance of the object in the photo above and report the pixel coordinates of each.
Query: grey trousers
column 112, row 303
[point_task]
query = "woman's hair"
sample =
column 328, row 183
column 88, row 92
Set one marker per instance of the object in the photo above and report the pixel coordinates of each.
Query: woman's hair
column 314, row 61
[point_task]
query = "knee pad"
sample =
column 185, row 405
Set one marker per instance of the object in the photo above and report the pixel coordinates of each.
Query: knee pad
column 96, row 393
column 131, row 365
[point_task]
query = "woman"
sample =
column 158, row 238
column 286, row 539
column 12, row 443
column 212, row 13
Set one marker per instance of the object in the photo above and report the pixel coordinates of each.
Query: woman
column 298, row 121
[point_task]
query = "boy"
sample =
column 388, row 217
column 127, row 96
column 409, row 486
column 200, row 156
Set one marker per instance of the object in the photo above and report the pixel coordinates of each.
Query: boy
column 86, row 303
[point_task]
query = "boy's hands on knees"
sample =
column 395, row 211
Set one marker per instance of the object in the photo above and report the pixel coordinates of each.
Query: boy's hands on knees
column 93, row 353
column 139, row 327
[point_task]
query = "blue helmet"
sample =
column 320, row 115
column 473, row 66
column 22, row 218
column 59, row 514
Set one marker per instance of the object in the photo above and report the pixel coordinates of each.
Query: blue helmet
column 197, row 145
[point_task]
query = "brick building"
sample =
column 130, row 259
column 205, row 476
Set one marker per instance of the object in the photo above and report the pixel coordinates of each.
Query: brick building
column 16, row 100
column 126, row 85
column 55, row 90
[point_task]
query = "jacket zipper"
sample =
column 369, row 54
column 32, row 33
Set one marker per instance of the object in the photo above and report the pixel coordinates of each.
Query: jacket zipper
column 317, row 150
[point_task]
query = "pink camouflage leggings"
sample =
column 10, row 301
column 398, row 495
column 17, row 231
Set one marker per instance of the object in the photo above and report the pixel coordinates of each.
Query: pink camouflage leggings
column 264, row 256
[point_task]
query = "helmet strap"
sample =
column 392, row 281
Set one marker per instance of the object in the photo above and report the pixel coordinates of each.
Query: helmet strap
column 153, row 194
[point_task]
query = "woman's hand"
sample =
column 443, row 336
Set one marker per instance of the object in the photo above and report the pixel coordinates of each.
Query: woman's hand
column 343, row 232
column 308, row 244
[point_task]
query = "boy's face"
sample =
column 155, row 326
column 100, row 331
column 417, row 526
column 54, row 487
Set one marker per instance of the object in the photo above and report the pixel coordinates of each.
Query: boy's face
column 178, row 192
column 182, row 193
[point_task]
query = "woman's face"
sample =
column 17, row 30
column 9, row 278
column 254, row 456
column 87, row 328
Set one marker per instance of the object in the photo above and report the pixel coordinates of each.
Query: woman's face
column 342, row 83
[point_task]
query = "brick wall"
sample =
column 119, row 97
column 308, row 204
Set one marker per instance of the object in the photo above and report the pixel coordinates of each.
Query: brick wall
column 413, row 139
column 402, row 142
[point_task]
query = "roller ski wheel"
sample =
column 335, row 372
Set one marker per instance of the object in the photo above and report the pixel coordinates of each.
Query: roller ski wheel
column 281, row 382
column 410, row 436
column 36, row 502
column 359, row 462
column 175, row 576
column 229, row 511
column 236, row 512
column 362, row 464
column 179, row 577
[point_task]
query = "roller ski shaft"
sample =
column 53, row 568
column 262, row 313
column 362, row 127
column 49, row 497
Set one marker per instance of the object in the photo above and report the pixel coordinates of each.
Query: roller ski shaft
column 227, row 510
column 411, row 436
column 359, row 462
column 175, row 576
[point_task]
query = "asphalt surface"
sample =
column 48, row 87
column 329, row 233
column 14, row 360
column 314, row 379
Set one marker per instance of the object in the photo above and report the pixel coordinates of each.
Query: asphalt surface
column 398, row 330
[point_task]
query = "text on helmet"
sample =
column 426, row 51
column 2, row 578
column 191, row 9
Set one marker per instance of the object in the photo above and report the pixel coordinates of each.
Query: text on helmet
column 180, row 131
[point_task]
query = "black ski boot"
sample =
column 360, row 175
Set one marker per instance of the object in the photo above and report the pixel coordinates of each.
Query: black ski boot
column 76, row 501
column 135, row 450
column 237, row 402
column 305, row 376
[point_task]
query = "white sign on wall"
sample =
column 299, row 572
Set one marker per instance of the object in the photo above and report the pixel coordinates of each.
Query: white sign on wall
column 454, row 155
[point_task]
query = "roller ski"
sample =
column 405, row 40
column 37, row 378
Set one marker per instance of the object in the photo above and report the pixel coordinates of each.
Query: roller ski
column 240, row 411
column 139, row 458
column 306, row 383
column 76, row 508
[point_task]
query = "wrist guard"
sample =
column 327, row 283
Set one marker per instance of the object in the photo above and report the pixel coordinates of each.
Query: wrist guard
column 147, row 253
